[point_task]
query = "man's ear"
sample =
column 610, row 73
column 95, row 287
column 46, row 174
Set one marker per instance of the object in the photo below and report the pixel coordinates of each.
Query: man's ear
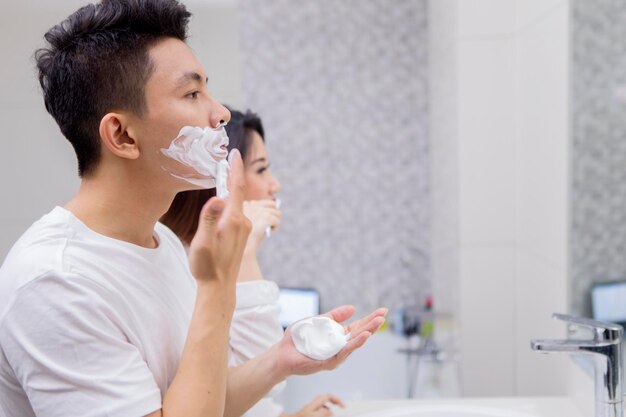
column 115, row 136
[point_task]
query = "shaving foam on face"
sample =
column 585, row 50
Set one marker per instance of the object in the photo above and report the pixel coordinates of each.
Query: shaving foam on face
column 200, row 151
column 318, row 337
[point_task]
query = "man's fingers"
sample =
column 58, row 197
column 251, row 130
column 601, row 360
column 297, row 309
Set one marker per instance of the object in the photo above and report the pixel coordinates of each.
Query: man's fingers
column 236, row 180
column 210, row 214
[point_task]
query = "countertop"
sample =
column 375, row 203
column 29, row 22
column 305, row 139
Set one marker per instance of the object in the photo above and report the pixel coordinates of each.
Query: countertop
column 535, row 406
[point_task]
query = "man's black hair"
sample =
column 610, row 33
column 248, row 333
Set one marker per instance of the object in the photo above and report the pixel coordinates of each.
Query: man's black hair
column 97, row 61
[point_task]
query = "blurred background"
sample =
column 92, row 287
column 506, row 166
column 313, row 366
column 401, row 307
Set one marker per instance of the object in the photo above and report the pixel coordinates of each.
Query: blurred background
column 459, row 162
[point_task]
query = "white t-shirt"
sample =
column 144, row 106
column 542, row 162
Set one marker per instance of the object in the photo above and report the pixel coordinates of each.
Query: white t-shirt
column 89, row 325
column 254, row 329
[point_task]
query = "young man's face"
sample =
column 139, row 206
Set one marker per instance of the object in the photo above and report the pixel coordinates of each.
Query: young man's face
column 176, row 96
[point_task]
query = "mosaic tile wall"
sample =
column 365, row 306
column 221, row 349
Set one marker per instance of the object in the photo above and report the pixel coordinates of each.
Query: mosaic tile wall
column 598, row 195
column 342, row 89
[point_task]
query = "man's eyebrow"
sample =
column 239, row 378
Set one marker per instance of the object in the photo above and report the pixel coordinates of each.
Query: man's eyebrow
column 190, row 76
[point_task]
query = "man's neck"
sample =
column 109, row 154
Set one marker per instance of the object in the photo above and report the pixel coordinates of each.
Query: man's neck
column 119, row 211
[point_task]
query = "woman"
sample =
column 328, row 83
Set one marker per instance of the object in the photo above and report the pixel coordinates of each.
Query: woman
column 255, row 325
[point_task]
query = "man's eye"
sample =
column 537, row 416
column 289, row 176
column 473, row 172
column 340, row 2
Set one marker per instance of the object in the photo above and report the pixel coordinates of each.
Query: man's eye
column 261, row 170
column 193, row 95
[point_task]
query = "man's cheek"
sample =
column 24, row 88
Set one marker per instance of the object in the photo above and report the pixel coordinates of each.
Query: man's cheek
column 194, row 155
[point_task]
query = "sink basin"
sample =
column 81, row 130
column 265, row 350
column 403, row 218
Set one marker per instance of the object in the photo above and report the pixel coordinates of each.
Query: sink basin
column 463, row 407
column 447, row 410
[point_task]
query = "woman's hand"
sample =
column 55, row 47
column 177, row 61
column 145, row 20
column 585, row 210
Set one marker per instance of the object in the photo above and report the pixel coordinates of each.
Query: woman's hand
column 258, row 375
column 262, row 214
column 291, row 362
column 318, row 407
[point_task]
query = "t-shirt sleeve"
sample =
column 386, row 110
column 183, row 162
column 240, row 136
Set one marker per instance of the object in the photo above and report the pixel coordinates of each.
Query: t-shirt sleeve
column 255, row 326
column 254, row 329
column 68, row 343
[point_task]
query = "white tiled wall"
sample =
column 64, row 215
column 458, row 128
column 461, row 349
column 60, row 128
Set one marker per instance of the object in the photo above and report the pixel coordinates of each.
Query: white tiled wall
column 512, row 143
column 486, row 18
column 542, row 103
column 487, row 333
column 538, row 293
column 486, row 197
column 486, row 141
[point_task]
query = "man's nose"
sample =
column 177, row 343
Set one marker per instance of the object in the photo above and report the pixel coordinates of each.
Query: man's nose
column 219, row 114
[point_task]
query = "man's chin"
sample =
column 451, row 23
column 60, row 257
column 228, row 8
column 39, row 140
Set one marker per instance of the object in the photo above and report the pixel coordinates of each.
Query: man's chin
column 188, row 183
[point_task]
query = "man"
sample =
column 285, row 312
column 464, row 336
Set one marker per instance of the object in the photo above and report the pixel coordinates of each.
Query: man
column 100, row 312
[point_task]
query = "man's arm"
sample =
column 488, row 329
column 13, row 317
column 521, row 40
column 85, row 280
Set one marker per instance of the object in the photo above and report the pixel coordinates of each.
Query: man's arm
column 249, row 382
column 199, row 387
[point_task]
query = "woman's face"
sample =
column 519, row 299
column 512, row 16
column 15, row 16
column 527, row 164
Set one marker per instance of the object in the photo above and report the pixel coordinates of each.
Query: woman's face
column 260, row 182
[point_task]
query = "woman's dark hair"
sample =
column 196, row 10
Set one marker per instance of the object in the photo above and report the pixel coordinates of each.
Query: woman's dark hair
column 97, row 61
column 184, row 213
column 240, row 129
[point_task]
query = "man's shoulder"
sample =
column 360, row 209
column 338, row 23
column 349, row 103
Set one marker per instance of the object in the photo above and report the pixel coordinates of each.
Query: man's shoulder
column 39, row 248
column 37, row 252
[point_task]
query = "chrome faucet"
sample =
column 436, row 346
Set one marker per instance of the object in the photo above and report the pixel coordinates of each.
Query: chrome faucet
column 605, row 351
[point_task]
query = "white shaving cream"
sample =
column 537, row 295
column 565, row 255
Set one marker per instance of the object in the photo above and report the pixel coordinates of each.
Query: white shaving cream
column 318, row 337
column 200, row 149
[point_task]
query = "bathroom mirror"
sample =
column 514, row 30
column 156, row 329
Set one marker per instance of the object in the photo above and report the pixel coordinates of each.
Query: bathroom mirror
column 468, row 151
